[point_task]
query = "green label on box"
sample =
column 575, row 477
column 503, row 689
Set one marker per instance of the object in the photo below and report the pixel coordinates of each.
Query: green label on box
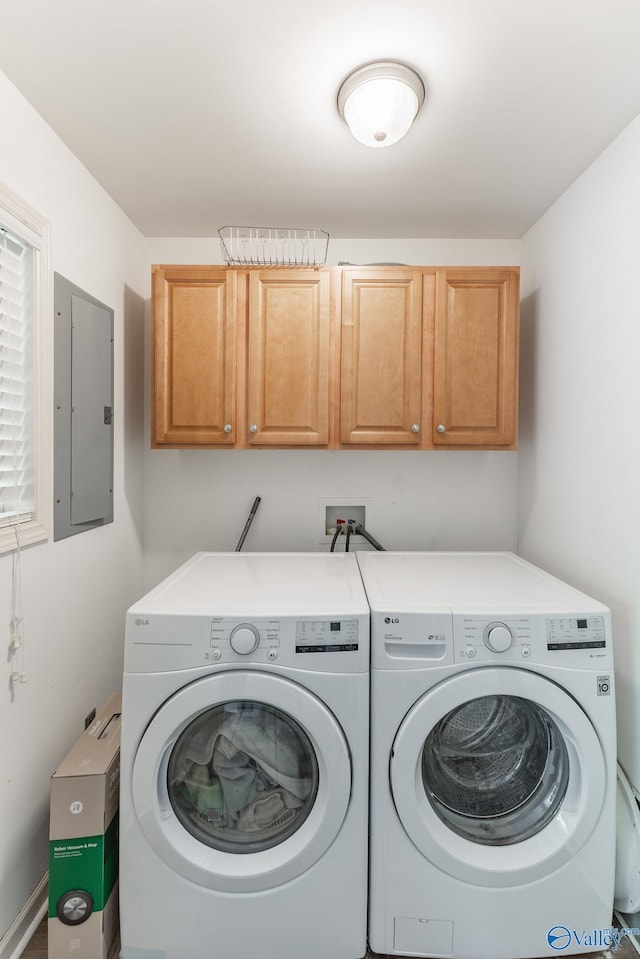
column 89, row 864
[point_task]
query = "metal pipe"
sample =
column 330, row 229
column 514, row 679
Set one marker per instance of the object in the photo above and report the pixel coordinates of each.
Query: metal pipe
column 243, row 536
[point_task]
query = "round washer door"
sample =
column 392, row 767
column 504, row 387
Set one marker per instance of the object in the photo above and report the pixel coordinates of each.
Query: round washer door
column 498, row 776
column 242, row 781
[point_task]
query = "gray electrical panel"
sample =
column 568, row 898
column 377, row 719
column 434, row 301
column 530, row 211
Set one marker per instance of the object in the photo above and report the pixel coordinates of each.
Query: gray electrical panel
column 83, row 410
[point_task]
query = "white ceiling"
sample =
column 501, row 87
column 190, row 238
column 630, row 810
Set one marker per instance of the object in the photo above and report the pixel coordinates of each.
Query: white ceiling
column 202, row 113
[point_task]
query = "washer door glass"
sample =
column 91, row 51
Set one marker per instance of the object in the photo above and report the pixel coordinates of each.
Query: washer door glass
column 495, row 769
column 498, row 775
column 242, row 777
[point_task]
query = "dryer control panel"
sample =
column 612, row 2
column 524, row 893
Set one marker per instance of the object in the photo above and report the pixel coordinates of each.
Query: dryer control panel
column 259, row 639
column 286, row 641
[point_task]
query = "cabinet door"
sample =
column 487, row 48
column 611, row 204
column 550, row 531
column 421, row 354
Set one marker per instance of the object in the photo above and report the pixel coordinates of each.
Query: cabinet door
column 381, row 357
column 476, row 358
column 194, row 356
column 288, row 366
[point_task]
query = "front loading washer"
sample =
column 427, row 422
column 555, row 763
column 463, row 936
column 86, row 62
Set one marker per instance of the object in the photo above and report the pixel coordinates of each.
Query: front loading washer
column 244, row 761
column 493, row 759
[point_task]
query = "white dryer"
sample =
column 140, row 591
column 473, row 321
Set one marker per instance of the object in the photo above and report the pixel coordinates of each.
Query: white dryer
column 244, row 761
column 493, row 759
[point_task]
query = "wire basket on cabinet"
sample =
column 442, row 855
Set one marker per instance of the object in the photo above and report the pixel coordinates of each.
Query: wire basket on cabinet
column 273, row 246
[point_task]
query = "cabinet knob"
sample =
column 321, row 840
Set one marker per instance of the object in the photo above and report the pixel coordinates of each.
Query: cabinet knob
column 227, row 427
column 441, row 429
column 415, row 428
column 253, row 428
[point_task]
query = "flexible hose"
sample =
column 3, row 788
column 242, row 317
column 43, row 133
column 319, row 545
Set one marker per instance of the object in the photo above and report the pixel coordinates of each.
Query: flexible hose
column 374, row 542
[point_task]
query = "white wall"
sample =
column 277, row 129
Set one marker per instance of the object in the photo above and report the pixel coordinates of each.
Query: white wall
column 199, row 499
column 75, row 592
column 579, row 461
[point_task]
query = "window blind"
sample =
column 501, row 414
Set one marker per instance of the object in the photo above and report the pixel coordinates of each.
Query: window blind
column 16, row 378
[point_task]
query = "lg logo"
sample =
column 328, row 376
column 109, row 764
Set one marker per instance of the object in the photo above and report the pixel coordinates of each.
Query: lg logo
column 388, row 620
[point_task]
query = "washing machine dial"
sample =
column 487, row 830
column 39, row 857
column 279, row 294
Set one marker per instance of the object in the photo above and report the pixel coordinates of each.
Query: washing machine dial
column 497, row 637
column 244, row 639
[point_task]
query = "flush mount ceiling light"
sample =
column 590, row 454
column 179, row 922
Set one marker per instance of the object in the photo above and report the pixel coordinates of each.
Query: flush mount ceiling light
column 379, row 102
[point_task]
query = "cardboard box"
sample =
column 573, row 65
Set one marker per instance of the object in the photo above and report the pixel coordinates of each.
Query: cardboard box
column 83, row 842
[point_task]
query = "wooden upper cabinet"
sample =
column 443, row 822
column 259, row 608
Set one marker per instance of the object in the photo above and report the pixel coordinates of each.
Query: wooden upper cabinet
column 381, row 361
column 194, row 356
column 475, row 393
column 394, row 357
column 288, row 358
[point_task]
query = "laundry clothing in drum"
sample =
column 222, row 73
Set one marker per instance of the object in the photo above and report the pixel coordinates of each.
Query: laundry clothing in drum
column 242, row 772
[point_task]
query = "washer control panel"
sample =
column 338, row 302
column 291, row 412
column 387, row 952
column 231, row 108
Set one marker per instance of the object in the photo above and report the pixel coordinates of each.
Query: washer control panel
column 562, row 640
column 580, row 632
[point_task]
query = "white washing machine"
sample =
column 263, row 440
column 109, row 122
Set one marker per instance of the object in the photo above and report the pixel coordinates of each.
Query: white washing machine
column 493, row 759
column 244, row 761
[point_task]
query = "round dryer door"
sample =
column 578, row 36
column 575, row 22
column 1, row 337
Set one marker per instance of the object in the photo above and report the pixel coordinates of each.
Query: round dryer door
column 242, row 781
column 497, row 776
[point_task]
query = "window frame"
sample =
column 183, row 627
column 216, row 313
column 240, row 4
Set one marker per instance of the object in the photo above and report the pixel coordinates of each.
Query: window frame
column 23, row 220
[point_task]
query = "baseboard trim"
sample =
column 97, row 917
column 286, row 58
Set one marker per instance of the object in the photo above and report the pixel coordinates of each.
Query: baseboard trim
column 19, row 933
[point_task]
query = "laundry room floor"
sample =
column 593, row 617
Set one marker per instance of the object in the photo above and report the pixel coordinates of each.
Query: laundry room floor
column 37, row 949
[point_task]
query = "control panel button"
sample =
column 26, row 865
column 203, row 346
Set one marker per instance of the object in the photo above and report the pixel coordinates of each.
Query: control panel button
column 272, row 654
column 526, row 652
column 216, row 654
column 497, row 637
column 470, row 652
column 244, row 639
